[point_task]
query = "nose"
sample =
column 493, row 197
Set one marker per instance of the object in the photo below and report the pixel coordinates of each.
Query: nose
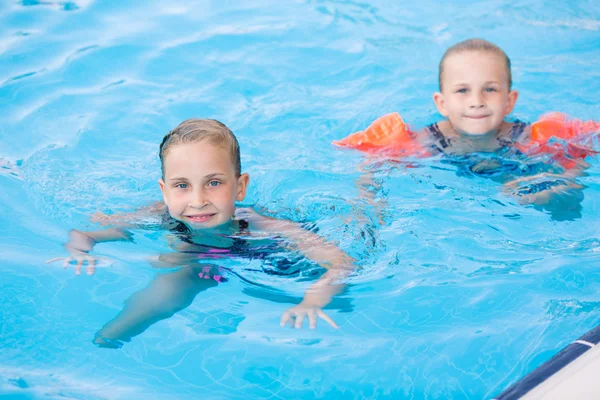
column 476, row 100
column 198, row 199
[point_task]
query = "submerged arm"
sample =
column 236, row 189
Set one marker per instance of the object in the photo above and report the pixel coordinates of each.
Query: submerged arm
column 164, row 296
column 338, row 264
column 560, row 194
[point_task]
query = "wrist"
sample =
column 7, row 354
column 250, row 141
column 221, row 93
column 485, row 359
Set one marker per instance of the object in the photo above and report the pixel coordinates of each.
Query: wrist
column 80, row 241
column 316, row 298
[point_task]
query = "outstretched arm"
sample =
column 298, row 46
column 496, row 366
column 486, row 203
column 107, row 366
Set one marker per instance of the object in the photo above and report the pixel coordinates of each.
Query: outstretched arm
column 131, row 219
column 164, row 296
column 338, row 264
column 81, row 243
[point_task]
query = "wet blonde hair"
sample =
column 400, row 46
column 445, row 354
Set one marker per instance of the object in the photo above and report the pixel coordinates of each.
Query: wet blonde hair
column 196, row 130
column 475, row 45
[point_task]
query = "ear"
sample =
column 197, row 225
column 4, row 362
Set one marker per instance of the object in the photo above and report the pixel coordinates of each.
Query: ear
column 438, row 99
column 161, row 183
column 513, row 95
column 242, row 186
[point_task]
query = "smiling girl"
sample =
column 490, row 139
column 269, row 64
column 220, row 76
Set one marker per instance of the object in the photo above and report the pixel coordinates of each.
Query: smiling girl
column 201, row 182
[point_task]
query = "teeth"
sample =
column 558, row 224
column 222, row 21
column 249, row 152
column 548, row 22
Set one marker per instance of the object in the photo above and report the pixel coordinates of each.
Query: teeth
column 200, row 217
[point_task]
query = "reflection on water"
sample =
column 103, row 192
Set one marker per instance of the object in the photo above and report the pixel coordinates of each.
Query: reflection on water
column 462, row 288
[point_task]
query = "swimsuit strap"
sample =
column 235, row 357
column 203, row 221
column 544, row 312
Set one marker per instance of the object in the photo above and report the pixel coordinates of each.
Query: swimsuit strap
column 439, row 137
column 517, row 130
column 513, row 135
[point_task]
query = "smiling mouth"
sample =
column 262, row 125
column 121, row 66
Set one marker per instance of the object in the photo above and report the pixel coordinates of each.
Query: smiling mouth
column 476, row 116
column 199, row 218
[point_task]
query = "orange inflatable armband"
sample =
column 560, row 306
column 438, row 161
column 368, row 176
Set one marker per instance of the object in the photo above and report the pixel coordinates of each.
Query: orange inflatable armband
column 559, row 125
column 389, row 135
column 386, row 135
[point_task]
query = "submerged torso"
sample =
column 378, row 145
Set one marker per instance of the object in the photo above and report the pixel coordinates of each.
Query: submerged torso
column 505, row 163
column 276, row 258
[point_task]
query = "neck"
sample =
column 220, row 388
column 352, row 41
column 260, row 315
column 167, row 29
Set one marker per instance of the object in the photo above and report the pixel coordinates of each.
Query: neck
column 479, row 141
column 228, row 228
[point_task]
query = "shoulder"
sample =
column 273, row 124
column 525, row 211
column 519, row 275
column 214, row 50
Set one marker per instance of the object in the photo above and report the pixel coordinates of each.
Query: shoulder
column 516, row 132
column 438, row 136
column 446, row 129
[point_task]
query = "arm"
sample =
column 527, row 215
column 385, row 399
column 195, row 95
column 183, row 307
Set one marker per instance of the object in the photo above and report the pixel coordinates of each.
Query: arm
column 164, row 296
column 338, row 264
column 84, row 242
column 131, row 219
column 544, row 188
column 538, row 189
column 559, row 194
column 81, row 243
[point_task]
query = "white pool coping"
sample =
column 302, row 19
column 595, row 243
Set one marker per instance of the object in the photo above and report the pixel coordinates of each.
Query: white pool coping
column 573, row 373
column 578, row 380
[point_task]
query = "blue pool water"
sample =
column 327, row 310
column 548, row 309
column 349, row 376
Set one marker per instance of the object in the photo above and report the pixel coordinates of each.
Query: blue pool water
column 462, row 289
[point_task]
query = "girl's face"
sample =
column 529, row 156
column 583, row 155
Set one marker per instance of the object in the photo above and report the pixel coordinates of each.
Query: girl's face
column 200, row 186
column 475, row 93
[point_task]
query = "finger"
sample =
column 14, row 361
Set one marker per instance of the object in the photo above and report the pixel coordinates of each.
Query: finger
column 67, row 262
column 78, row 266
column 54, row 260
column 106, row 260
column 91, row 268
column 312, row 319
column 326, row 318
column 299, row 321
column 285, row 317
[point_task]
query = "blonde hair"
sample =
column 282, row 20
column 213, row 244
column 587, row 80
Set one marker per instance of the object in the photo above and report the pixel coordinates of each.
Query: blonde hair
column 196, row 130
column 475, row 45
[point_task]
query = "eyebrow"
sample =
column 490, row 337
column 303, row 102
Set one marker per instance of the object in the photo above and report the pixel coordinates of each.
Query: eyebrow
column 209, row 176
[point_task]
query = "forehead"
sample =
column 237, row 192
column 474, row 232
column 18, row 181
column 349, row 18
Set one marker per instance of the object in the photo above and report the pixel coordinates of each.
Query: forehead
column 198, row 158
column 476, row 63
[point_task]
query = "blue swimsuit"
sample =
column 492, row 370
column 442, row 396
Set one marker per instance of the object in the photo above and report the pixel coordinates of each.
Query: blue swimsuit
column 276, row 259
column 503, row 165
column 442, row 142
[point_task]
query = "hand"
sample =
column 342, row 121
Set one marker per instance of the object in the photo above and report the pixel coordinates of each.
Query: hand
column 78, row 247
column 80, row 259
column 296, row 315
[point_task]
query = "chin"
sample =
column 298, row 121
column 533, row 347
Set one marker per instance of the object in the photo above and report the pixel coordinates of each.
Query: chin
column 478, row 130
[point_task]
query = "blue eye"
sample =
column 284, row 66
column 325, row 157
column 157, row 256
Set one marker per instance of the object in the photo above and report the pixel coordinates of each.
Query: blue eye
column 182, row 185
column 489, row 90
column 461, row 91
column 214, row 183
